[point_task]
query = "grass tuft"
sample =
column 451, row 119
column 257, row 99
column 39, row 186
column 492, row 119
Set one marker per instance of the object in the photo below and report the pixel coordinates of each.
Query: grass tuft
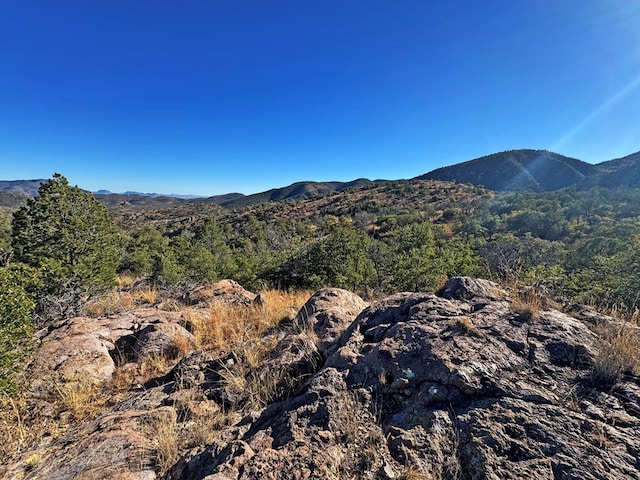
column 618, row 353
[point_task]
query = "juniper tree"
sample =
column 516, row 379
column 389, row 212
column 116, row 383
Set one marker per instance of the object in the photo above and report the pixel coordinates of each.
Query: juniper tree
column 68, row 235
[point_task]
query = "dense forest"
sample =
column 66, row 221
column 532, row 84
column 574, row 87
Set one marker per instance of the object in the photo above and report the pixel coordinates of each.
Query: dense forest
column 65, row 247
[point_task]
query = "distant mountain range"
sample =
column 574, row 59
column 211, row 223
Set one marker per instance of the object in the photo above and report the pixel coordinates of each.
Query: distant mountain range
column 514, row 170
column 174, row 195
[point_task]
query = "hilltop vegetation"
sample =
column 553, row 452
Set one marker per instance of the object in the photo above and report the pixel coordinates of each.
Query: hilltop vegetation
column 384, row 237
column 580, row 242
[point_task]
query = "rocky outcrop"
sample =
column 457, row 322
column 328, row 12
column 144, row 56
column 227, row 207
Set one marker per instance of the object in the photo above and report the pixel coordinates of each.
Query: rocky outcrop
column 462, row 383
column 86, row 350
column 202, row 390
column 456, row 385
column 116, row 446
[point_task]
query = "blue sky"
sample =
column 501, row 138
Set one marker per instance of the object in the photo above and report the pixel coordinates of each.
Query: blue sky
column 211, row 97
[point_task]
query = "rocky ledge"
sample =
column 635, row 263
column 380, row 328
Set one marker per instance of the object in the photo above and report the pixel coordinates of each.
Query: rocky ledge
column 462, row 383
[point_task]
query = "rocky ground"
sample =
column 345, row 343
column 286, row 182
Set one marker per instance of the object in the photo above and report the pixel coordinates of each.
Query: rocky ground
column 464, row 383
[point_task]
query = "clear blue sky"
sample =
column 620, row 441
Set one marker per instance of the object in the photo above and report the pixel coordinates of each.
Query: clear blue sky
column 211, row 97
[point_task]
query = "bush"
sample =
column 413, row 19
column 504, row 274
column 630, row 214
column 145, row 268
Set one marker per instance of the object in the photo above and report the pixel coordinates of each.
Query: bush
column 16, row 328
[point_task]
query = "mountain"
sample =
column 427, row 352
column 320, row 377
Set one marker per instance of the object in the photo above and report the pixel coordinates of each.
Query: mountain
column 295, row 191
column 27, row 187
column 15, row 193
column 514, row 170
column 173, row 195
column 620, row 172
column 518, row 170
column 132, row 199
column 129, row 192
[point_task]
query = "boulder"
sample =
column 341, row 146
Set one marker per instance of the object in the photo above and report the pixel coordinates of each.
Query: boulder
column 327, row 314
column 224, row 291
column 87, row 350
column 120, row 445
column 76, row 350
column 164, row 339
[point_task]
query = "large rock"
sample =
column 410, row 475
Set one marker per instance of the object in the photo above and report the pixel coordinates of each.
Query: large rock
column 86, row 350
column 76, row 350
column 328, row 313
column 464, row 383
column 457, row 385
column 164, row 339
column 224, row 291
column 121, row 445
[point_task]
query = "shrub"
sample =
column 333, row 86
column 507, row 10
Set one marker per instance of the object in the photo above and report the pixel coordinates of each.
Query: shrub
column 16, row 328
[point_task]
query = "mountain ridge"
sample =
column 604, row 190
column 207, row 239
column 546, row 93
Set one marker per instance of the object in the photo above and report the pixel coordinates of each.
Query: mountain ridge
column 519, row 170
column 524, row 170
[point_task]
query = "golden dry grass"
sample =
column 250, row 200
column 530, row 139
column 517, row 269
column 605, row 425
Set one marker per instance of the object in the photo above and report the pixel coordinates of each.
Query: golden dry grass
column 415, row 473
column 125, row 282
column 224, row 327
column 109, row 304
column 465, row 323
column 618, row 352
column 83, row 399
column 240, row 330
column 13, row 429
column 148, row 295
column 220, row 328
column 165, row 434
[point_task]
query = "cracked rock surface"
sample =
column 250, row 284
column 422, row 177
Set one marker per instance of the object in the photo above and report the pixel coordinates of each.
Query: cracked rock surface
column 458, row 384
column 464, row 383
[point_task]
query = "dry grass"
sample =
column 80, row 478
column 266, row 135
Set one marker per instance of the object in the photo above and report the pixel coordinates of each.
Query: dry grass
column 465, row 323
column 82, row 398
column 258, row 387
column 125, row 297
column 225, row 327
column 618, row 352
column 527, row 302
column 109, row 304
column 148, row 295
column 125, row 282
column 165, row 435
column 13, row 429
column 154, row 365
column 415, row 473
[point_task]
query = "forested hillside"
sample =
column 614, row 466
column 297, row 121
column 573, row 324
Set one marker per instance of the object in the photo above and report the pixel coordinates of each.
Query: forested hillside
column 403, row 235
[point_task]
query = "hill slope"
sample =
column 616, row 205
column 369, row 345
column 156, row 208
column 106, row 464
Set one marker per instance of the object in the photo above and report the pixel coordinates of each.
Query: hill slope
column 620, row 172
column 517, row 170
column 26, row 187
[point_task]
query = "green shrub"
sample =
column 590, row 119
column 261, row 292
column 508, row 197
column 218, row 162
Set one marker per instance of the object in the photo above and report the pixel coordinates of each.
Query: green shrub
column 16, row 328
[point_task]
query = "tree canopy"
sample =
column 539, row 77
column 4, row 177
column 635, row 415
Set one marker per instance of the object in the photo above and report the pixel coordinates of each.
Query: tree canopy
column 68, row 235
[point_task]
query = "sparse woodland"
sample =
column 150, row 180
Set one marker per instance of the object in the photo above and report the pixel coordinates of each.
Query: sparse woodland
column 65, row 255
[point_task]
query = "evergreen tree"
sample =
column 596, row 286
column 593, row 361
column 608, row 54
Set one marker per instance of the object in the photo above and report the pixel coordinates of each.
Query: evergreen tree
column 69, row 236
